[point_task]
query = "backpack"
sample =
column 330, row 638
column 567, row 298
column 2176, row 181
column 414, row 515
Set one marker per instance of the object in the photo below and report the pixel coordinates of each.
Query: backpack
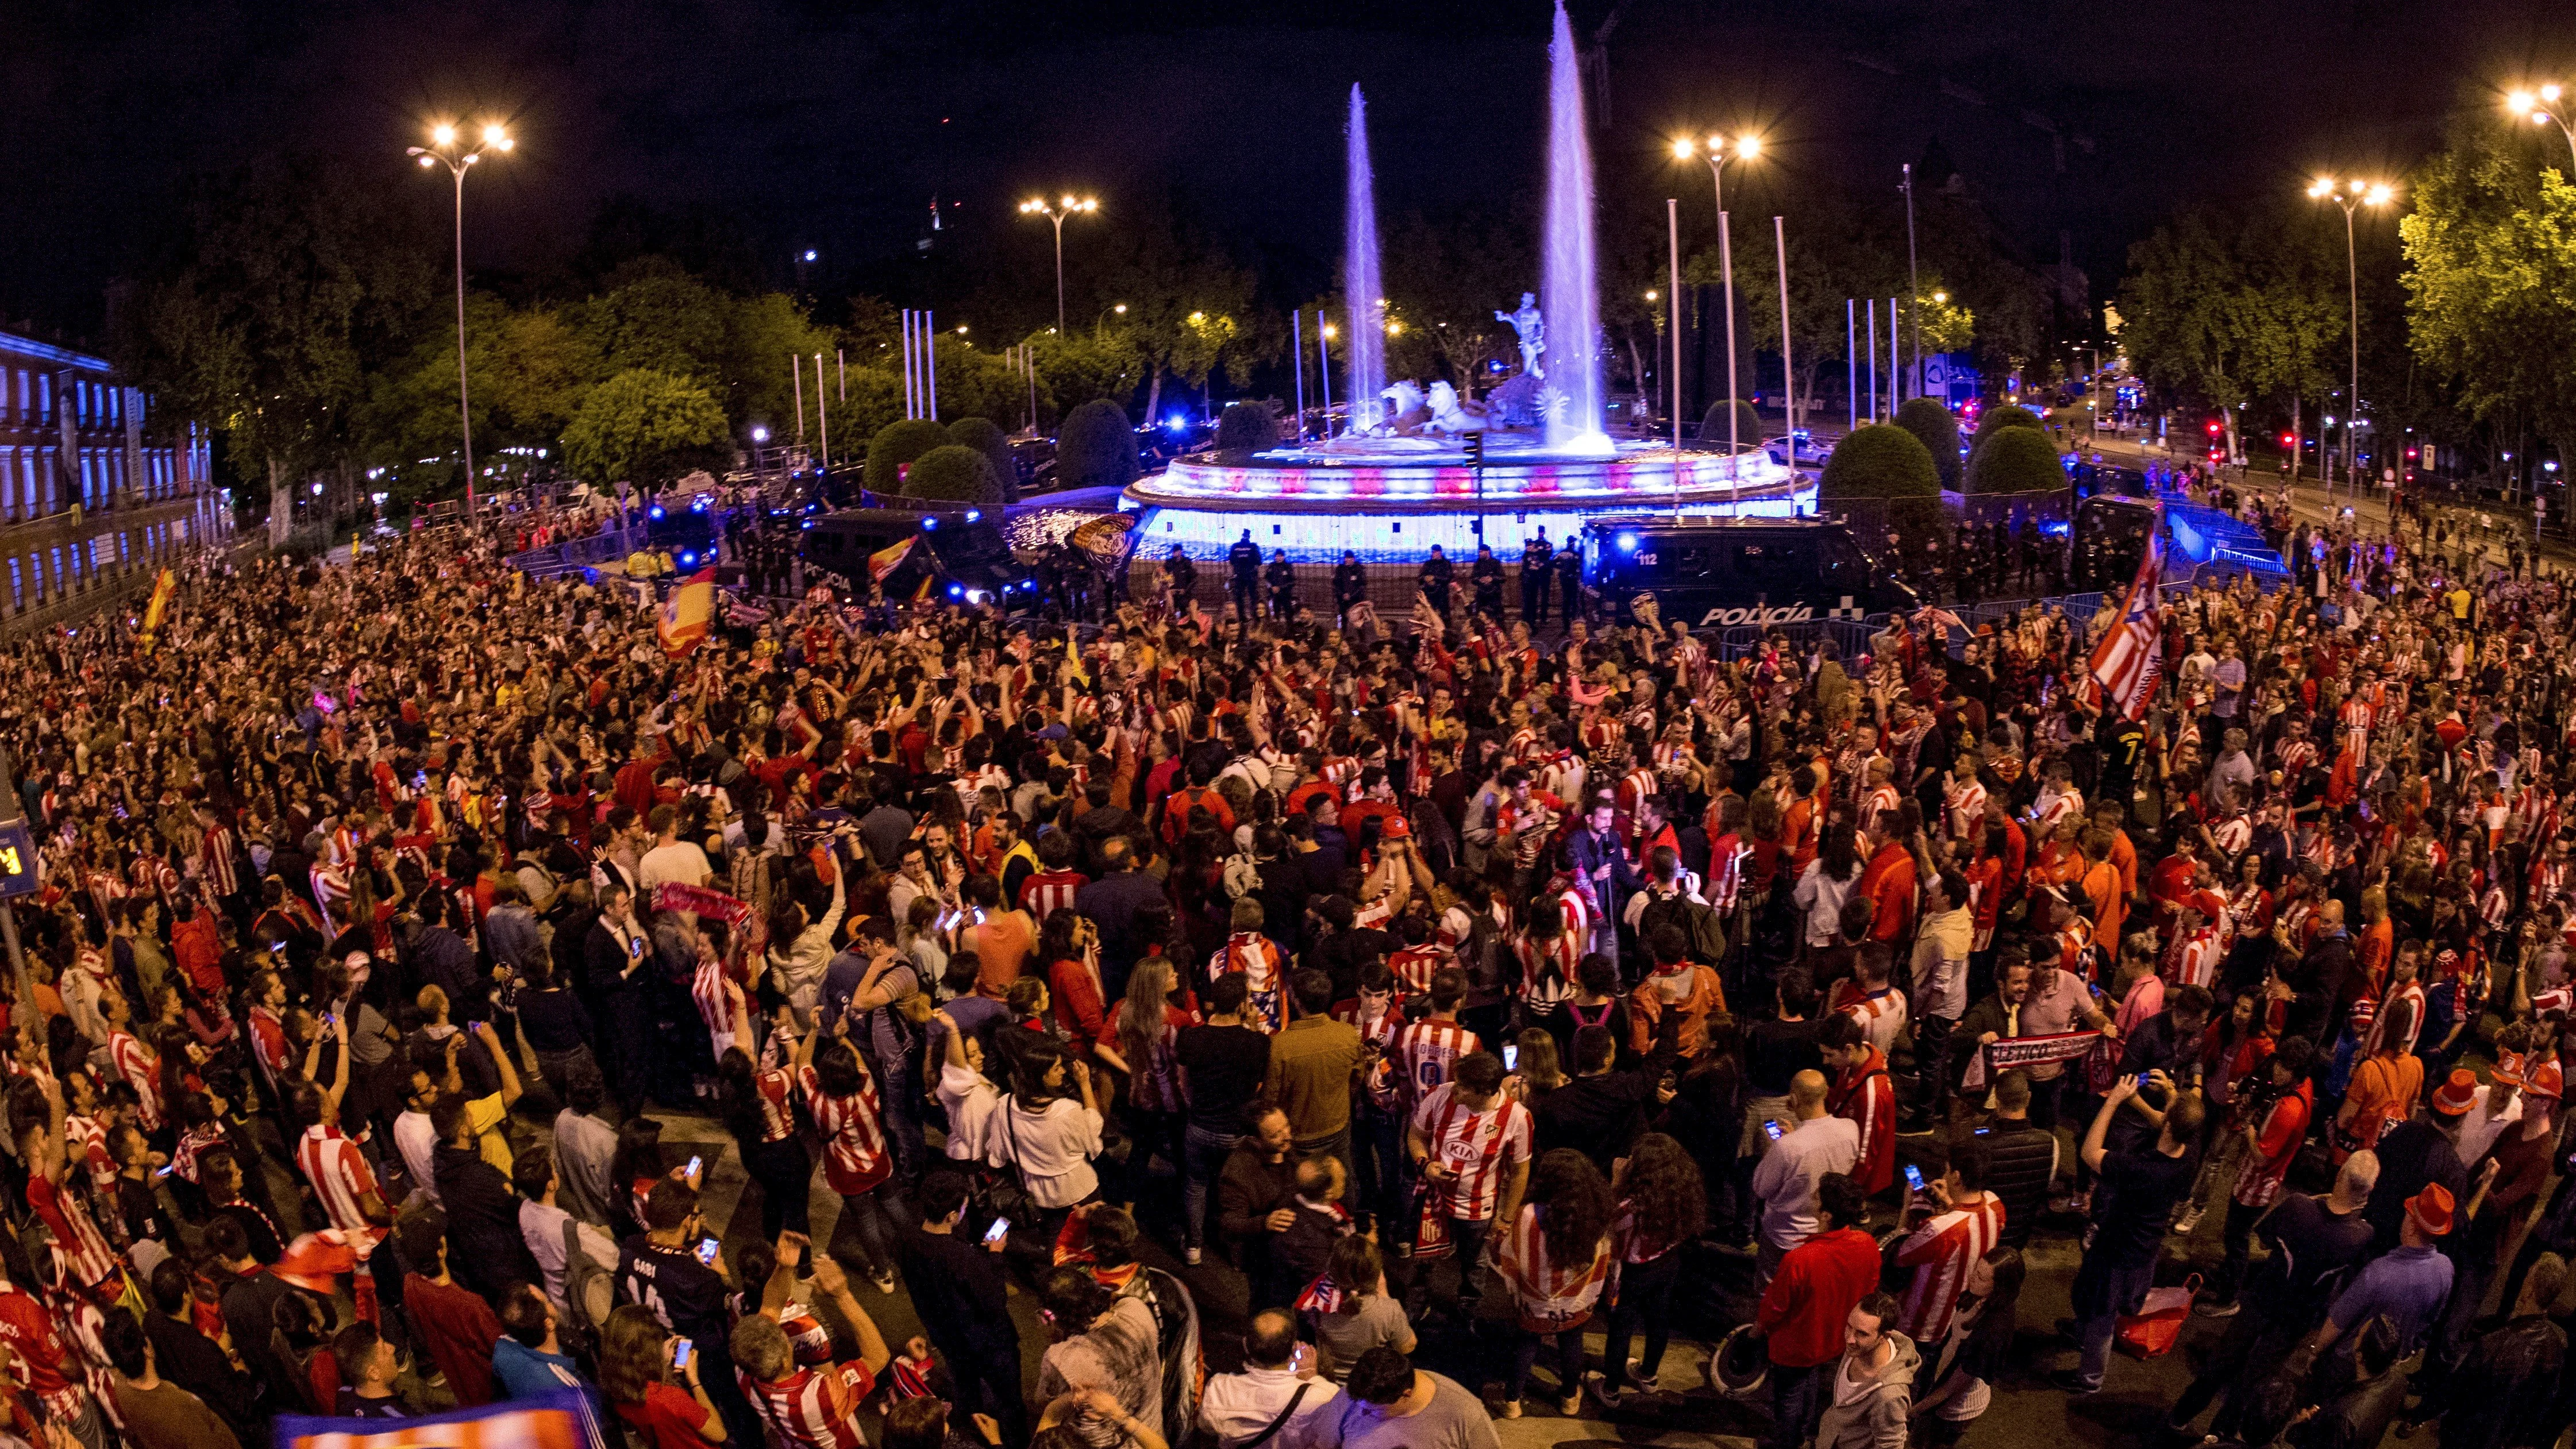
column 1176, row 1325
column 589, row 1289
column 1702, row 927
column 539, row 883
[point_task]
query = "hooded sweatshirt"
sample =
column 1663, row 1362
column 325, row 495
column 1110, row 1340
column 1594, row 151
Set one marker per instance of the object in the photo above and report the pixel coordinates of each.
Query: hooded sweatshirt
column 1871, row 1413
column 1941, row 963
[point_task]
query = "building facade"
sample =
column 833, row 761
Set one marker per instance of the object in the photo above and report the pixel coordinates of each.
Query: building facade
column 87, row 500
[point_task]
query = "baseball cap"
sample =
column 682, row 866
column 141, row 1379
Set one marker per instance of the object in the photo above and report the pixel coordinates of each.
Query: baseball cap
column 2458, row 1094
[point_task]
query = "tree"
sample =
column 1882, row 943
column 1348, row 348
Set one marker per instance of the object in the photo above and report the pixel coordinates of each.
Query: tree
column 1166, row 270
column 975, row 382
column 1083, row 366
column 761, row 333
column 2017, row 460
column 651, row 315
column 2491, row 284
column 529, row 371
column 2001, row 419
column 1246, row 427
column 648, row 428
column 953, row 473
column 1096, row 448
column 985, row 437
column 1881, row 474
column 2180, row 311
column 1712, row 425
column 1933, row 426
column 895, row 447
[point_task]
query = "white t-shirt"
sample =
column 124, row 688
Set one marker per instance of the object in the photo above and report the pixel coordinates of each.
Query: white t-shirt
column 681, row 861
column 418, row 1142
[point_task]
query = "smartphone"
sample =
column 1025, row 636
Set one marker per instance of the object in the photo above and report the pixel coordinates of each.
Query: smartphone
column 681, row 1348
column 694, row 1164
column 2143, row 1079
column 1511, row 1058
column 1914, row 1177
column 707, row 1251
column 1001, row 1228
column 1772, row 1129
column 164, row 1170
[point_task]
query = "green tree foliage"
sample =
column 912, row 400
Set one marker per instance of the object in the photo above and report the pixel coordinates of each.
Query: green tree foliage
column 1443, row 281
column 875, row 399
column 1246, row 427
column 1167, row 270
column 1878, row 460
column 952, row 473
column 2224, row 309
column 2491, row 283
column 986, row 437
column 897, row 445
column 2017, row 460
column 978, row 383
column 648, row 428
column 529, row 371
column 1096, row 447
column 1748, row 424
column 2000, row 419
column 1084, row 366
column 751, row 369
column 1933, row 426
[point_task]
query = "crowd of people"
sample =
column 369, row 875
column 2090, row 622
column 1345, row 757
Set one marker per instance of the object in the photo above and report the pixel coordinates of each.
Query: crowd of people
column 1431, row 997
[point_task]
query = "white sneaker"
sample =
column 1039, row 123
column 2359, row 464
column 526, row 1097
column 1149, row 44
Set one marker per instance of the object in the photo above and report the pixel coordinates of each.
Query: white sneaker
column 885, row 1283
column 2188, row 1220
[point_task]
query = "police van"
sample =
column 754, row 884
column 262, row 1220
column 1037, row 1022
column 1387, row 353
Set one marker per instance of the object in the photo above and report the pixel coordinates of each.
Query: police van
column 1711, row 572
column 960, row 549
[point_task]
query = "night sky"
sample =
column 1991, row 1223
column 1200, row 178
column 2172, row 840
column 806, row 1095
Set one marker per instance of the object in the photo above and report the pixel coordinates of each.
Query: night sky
column 807, row 124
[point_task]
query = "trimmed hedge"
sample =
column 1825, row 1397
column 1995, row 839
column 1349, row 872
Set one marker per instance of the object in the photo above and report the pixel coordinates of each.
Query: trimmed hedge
column 953, row 473
column 1096, row 448
column 1748, row 424
column 1246, row 427
column 1938, row 432
column 986, row 437
column 1878, row 461
column 2017, row 460
column 2001, row 419
column 896, row 444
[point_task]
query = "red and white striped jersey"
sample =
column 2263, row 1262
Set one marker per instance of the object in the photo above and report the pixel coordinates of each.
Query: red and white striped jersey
column 715, row 1006
column 1264, row 967
column 268, row 1041
column 854, row 1142
column 141, row 1071
column 1413, row 966
column 1882, row 798
column 2411, row 993
column 1545, row 1291
column 1939, row 1252
column 1963, row 809
column 813, row 1408
column 215, row 862
column 1424, row 1052
column 86, row 1258
column 1634, row 786
column 1049, row 891
column 85, row 1143
column 2196, row 964
column 340, row 1177
column 777, row 1092
column 1480, row 1148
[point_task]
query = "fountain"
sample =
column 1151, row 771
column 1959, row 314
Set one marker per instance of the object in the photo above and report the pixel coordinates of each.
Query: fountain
column 1396, row 480
column 1360, row 283
column 1572, row 400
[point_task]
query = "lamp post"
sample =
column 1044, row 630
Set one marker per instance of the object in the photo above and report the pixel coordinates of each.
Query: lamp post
column 444, row 150
column 2351, row 196
column 2543, row 105
column 1120, row 309
column 1037, row 206
column 1715, row 152
column 1913, row 297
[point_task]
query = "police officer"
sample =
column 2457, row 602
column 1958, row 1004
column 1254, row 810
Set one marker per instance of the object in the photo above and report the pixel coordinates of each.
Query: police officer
column 1243, row 561
column 1282, row 578
column 1487, row 572
column 1534, row 560
column 1435, row 579
column 1050, row 578
column 1183, row 576
column 1350, row 585
column 1569, row 579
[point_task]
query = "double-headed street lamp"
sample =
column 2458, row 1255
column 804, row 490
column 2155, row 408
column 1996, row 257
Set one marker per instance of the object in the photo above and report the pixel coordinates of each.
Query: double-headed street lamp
column 2544, row 105
column 1037, row 206
column 1717, row 153
column 2351, row 195
column 446, row 148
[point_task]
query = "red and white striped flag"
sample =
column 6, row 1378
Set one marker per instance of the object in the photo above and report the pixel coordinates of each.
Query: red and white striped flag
column 2124, row 663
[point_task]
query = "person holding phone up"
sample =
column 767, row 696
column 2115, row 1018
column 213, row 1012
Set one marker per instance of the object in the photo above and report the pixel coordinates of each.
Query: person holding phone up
column 638, row 1361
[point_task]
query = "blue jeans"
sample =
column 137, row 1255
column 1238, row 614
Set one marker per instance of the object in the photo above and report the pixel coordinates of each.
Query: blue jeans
column 1797, row 1398
column 2102, row 1294
column 900, row 1091
column 1203, row 1155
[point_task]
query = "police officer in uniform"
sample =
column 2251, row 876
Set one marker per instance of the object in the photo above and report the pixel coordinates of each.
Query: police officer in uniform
column 1569, row 579
column 1350, row 585
column 1435, row 580
column 1487, row 572
column 1244, row 563
column 1183, row 576
column 1534, row 560
column 1282, row 578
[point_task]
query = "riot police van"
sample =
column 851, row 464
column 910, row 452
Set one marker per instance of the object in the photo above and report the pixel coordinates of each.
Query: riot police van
column 958, row 547
column 1712, row 572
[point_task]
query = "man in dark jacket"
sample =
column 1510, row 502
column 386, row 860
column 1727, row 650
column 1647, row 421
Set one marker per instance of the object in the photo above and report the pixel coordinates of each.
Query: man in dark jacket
column 961, row 1295
column 2316, row 981
column 614, row 954
column 482, row 1208
column 2021, row 1158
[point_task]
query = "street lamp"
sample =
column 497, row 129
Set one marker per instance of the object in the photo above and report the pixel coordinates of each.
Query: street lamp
column 1103, row 317
column 2351, row 195
column 2542, row 105
column 1715, row 152
column 444, row 150
column 1037, row 206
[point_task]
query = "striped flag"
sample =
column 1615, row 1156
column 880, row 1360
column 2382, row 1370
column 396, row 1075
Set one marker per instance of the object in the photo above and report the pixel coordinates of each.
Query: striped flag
column 162, row 588
column 886, row 560
column 2124, row 663
column 685, row 615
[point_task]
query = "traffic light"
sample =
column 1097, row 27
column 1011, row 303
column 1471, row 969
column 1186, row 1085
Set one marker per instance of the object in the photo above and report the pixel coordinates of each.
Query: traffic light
column 2213, row 427
column 2289, row 440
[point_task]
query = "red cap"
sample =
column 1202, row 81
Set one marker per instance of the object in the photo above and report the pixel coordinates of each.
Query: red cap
column 1395, row 829
column 2431, row 1209
column 2458, row 1094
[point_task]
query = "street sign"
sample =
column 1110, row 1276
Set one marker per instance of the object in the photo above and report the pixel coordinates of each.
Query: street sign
column 17, row 860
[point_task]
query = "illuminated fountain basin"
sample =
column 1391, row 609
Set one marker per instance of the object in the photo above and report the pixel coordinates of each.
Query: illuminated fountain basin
column 1393, row 499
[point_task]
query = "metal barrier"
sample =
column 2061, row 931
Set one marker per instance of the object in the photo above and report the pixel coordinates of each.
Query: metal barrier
column 573, row 554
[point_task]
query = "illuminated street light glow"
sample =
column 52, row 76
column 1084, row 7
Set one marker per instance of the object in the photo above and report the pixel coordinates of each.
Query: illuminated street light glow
column 443, row 135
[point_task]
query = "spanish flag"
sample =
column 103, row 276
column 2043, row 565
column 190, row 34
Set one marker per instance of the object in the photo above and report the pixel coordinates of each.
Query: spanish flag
column 1073, row 661
column 162, row 588
column 685, row 615
column 922, row 595
column 885, row 561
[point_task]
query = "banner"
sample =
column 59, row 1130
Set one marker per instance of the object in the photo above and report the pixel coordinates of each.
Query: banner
column 2025, row 1051
column 2123, row 666
column 699, row 901
column 565, row 1419
column 685, row 615
column 162, row 588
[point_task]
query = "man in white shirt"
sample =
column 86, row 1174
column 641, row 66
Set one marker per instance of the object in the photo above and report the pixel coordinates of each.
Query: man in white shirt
column 1278, row 1372
column 541, row 1224
column 1810, row 1145
column 2498, row 1106
column 671, row 861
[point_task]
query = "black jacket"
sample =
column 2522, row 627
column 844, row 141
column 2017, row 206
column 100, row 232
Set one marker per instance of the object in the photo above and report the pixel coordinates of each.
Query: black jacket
column 2318, row 979
column 485, row 1248
column 958, row 1290
column 2021, row 1161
